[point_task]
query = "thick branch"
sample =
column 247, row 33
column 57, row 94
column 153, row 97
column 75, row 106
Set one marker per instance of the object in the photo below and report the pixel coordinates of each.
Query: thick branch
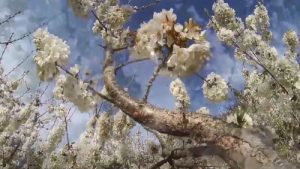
column 181, row 153
column 158, row 118
column 240, row 148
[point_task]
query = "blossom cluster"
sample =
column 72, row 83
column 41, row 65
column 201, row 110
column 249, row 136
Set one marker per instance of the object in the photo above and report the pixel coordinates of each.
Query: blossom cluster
column 163, row 32
column 203, row 110
column 110, row 20
column 55, row 136
column 105, row 143
column 81, row 7
column 19, row 125
column 242, row 120
column 269, row 96
column 186, row 61
column 103, row 127
column 215, row 88
column 50, row 52
column 291, row 40
column 122, row 125
column 259, row 22
column 225, row 21
column 74, row 90
column 180, row 93
column 271, row 89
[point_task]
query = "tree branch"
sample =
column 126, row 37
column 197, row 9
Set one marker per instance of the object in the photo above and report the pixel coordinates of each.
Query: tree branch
column 241, row 148
column 98, row 19
column 152, row 79
column 18, row 65
column 180, row 153
column 10, row 17
column 148, row 5
column 129, row 62
column 6, row 45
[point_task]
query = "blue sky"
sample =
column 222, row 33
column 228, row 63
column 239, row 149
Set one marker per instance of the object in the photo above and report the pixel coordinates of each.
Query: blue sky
column 84, row 50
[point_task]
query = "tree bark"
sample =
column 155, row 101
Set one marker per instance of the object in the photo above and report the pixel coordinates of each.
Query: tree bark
column 240, row 148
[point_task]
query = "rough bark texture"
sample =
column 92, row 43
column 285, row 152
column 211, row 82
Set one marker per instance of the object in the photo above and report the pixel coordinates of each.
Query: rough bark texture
column 240, row 148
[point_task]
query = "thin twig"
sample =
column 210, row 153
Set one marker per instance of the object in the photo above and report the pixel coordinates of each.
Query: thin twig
column 147, row 6
column 119, row 49
column 179, row 153
column 17, row 39
column 129, row 1
column 160, row 163
column 100, row 108
column 16, row 148
column 102, row 46
column 202, row 78
column 18, row 65
column 66, row 128
column 10, row 17
column 6, row 45
column 28, row 33
column 128, row 63
column 98, row 19
column 152, row 79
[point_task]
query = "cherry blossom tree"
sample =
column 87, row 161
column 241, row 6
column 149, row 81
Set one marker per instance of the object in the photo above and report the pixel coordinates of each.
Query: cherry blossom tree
column 260, row 131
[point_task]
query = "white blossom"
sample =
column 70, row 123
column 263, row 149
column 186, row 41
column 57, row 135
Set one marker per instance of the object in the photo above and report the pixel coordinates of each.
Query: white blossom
column 55, row 136
column 104, row 126
column 50, row 51
column 150, row 35
column 112, row 17
column 297, row 84
column 30, row 141
column 122, row 125
column 250, row 39
column 20, row 118
column 76, row 91
column 262, row 18
column 226, row 35
column 162, row 32
column 224, row 16
column 88, row 134
column 81, row 7
column 215, row 88
column 251, row 22
column 191, row 30
column 187, row 61
column 245, row 119
column 75, row 69
column 287, row 71
column 203, row 110
column 259, row 22
column 4, row 117
column 291, row 40
column 119, row 39
column 258, row 85
column 180, row 93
